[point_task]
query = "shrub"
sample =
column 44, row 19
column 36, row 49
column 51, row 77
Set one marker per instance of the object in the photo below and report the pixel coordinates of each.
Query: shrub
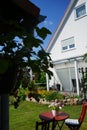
column 11, row 100
column 53, row 95
column 34, row 95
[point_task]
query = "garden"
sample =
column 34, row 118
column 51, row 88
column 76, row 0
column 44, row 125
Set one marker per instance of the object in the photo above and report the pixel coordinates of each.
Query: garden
column 25, row 115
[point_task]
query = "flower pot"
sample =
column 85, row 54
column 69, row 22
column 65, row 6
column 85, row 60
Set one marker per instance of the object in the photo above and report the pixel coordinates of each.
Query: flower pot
column 54, row 112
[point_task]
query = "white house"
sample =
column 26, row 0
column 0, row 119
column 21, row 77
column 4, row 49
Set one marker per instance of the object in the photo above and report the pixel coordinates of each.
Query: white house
column 67, row 47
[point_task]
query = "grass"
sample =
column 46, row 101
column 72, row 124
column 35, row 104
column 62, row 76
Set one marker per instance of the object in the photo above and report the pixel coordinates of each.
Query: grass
column 26, row 115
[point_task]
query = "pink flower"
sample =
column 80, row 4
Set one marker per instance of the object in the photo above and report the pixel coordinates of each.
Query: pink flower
column 56, row 105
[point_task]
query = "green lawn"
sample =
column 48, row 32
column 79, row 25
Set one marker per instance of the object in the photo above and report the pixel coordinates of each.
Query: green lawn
column 25, row 116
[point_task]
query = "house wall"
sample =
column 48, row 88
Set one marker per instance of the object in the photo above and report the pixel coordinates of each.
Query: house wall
column 72, row 28
column 66, row 63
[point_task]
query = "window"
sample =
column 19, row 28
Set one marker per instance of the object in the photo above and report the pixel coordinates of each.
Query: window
column 71, row 45
column 68, row 44
column 65, row 47
column 80, row 11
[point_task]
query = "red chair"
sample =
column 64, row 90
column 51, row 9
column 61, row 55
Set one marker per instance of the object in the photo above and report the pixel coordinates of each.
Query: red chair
column 75, row 124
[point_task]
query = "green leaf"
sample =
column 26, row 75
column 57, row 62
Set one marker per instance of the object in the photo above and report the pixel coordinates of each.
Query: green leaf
column 85, row 57
column 43, row 32
column 31, row 41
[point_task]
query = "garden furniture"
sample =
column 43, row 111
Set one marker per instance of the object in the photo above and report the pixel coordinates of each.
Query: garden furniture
column 45, row 125
column 60, row 116
column 75, row 124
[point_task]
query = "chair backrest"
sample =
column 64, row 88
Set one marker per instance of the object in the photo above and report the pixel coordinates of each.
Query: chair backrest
column 45, row 125
column 83, row 112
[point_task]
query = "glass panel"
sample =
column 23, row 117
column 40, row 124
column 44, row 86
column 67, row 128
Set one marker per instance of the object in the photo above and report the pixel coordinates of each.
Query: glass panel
column 66, row 77
column 64, row 48
column 63, row 75
column 72, row 46
column 80, row 11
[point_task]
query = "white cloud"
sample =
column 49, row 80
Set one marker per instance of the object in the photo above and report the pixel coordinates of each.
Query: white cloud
column 48, row 22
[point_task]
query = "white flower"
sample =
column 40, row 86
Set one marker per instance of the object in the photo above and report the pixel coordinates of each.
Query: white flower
column 60, row 107
column 55, row 105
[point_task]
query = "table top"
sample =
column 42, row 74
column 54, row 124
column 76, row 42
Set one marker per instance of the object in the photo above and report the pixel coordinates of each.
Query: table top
column 60, row 116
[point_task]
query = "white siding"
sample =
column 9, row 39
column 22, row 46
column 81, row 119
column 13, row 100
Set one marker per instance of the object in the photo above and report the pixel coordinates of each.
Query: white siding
column 73, row 28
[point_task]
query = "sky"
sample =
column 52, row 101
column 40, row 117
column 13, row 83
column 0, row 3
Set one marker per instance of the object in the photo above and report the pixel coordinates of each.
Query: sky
column 54, row 10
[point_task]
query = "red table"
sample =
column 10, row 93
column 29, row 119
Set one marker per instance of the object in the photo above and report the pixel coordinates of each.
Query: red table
column 60, row 116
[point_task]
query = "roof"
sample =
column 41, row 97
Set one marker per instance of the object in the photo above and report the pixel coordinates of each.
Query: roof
column 61, row 24
column 27, row 6
column 22, row 11
column 24, row 5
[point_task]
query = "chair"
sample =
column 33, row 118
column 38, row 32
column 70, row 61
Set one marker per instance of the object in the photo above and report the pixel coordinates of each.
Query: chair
column 74, row 124
column 45, row 125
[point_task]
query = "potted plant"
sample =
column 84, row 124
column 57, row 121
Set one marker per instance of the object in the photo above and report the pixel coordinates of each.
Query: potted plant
column 55, row 106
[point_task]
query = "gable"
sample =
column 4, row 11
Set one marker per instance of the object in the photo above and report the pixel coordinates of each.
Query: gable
column 70, row 40
column 61, row 24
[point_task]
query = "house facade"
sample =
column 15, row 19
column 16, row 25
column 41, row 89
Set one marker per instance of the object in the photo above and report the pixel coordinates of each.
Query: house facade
column 68, row 46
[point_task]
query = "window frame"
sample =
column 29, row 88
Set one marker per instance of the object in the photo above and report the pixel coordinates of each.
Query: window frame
column 84, row 4
column 67, row 45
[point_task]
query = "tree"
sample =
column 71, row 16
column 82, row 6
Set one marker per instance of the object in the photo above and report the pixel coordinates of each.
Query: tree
column 18, row 48
column 17, row 44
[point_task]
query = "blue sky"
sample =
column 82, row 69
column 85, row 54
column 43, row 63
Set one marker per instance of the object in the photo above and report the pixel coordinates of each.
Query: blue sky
column 54, row 10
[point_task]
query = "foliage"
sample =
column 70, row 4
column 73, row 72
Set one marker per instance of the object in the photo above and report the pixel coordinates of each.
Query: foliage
column 18, row 50
column 85, row 74
column 83, row 83
column 11, row 100
column 85, row 57
column 53, row 95
column 35, row 95
column 40, row 77
column 23, row 78
column 42, row 93
column 50, row 95
column 19, row 95
column 22, row 93
column 18, row 47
